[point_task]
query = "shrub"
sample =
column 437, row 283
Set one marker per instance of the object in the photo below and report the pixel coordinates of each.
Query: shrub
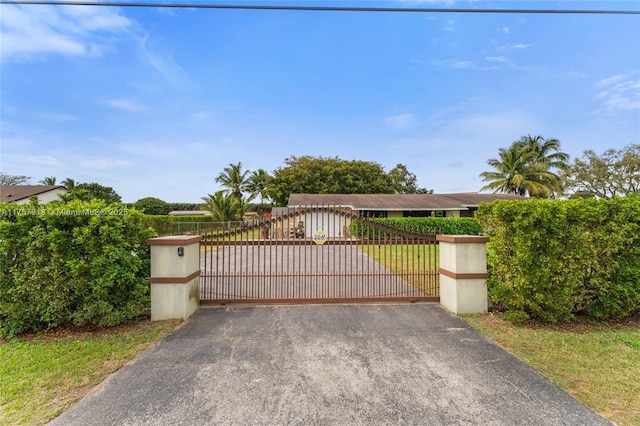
column 185, row 206
column 553, row 260
column 167, row 225
column 423, row 225
column 151, row 205
column 71, row 263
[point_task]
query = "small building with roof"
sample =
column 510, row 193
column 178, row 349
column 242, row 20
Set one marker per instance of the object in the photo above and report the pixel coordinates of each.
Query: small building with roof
column 20, row 194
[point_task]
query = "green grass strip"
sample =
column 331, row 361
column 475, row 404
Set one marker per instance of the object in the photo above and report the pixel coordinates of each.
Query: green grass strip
column 41, row 377
column 599, row 365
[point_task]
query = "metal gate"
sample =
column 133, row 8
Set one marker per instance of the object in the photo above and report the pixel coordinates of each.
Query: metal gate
column 318, row 254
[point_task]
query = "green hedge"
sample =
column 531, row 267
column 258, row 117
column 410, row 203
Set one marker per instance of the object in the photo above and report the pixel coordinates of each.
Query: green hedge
column 553, row 260
column 165, row 225
column 71, row 263
column 423, row 225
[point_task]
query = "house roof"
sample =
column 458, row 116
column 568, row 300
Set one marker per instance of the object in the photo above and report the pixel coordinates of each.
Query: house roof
column 399, row 202
column 9, row 193
column 189, row 213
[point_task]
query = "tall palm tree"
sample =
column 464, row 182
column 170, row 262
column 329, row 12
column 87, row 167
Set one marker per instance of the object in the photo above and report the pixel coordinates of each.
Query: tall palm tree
column 547, row 152
column 69, row 183
column 49, row 180
column 258, row 184
column 234, row 179
column 224, row 207
column 521, row 169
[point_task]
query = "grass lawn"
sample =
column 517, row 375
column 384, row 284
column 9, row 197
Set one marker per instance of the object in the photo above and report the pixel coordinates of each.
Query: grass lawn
column 42, row 375
column 598, row 364
column 415, row 263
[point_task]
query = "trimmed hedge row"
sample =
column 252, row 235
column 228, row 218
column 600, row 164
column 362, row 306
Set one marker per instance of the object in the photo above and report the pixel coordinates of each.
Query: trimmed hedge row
column 423, row 225
column 71, row 263
column 551, row 260
column 164, row 225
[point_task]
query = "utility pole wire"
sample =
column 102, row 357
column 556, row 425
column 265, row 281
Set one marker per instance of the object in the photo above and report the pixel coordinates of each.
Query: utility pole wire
column 317, row 8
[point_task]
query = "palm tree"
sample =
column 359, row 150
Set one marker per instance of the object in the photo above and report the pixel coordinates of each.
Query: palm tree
column 234, row 179
column 50, row 180
column 258, row 184
column 525, row 168
column 81, row 194
column 69, row 184
column 547, row 151
column 224, row 207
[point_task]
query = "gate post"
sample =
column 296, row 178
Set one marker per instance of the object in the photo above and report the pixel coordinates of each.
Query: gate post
column 175, row 276
column 463, row 273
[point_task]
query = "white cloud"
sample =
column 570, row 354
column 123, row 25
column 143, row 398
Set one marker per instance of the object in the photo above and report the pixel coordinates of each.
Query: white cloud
column 160, row 58
column 462, row 64
column 129, row 105
column 45, row 160
column 400, row 121
column 202, row 115
column 103, row 164
column 505, row 30
column 449, row 26
column 30, row 32
column 620, row 92
column 496, row 59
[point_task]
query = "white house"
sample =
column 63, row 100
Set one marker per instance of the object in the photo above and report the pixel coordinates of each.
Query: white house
column 20, row 194
column 343, row 207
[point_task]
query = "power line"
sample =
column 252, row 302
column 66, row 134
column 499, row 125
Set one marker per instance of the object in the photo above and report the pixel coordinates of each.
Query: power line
column 318, row 8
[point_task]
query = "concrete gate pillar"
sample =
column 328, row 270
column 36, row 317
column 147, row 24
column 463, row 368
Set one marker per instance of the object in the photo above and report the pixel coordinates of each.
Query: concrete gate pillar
column 463, row 273
column 175, row 276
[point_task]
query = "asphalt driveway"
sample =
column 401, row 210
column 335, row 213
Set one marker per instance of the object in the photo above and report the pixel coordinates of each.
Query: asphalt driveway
column 327, row 365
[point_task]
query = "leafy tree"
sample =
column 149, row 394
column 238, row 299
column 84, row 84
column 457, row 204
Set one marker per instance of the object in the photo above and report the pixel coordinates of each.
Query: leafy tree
column 89, row 191
column 331, row 175
column 258, row 185
column 225, row 206
column 151, row 205
column 69, row 183
column 529, row 166
column 234, row 179
column 614, row 173
column 49, row 180
column 6, row 179
column 405, row 182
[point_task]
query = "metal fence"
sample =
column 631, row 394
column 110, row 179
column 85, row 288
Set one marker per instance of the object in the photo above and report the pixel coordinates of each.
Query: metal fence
column 318, row 254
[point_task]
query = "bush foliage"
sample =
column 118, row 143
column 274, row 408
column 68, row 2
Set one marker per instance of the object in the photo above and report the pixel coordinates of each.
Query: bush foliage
column 167, row 225
column 553, row 260
column 80, row 263
column 422, row 225
column 151, row 205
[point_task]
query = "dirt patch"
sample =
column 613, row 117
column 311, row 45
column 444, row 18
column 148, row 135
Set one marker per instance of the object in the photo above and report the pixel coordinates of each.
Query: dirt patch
column 578, row 325
column 70, row 331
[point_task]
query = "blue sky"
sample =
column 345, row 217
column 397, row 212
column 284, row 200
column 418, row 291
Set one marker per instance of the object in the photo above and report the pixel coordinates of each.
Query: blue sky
column 156, row 102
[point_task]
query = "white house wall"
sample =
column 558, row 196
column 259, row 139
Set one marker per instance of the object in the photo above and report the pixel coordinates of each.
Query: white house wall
column 45, row 197
column 330, row 223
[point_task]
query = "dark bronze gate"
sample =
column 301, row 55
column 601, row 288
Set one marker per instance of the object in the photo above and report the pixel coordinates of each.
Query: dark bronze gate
column 318, row 254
